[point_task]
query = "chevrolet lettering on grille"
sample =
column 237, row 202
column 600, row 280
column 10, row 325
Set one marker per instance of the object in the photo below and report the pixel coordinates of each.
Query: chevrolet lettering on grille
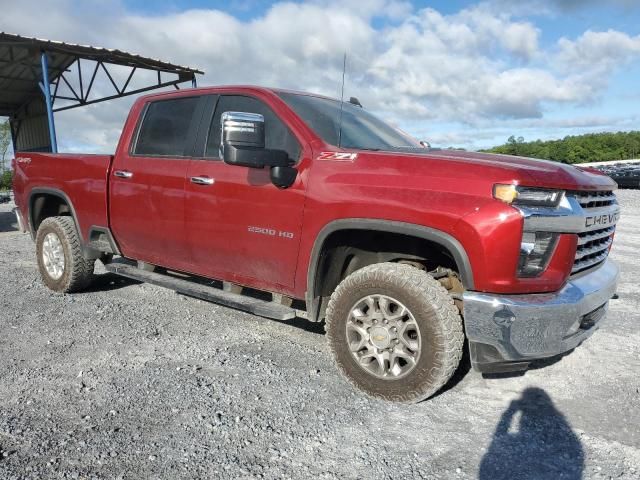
column 602, row 220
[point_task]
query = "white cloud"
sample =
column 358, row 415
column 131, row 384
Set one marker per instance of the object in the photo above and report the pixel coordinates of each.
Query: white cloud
column 598, row 50
column 367, row 9
column 518, row 38
column 466, row 67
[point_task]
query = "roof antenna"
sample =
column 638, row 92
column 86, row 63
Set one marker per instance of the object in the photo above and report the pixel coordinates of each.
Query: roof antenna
column 344, row 68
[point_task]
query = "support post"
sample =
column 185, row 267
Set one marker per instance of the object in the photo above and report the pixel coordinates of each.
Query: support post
column 45, row 86
column 194, row 83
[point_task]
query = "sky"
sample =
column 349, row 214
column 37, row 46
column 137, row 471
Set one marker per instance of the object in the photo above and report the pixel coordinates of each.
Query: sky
column 456, row 73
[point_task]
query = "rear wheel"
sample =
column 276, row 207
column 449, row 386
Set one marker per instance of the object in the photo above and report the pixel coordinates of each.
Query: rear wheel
column 395, row 332
column 59, row 252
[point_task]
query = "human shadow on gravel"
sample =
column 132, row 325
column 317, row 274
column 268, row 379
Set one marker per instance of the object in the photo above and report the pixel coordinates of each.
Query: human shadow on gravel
column 533, row 440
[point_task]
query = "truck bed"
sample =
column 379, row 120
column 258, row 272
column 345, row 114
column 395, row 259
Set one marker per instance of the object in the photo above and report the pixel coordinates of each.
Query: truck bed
column 80, row 178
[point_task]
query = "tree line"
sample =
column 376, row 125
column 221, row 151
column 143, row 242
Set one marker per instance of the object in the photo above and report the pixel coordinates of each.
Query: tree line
column 592, row 147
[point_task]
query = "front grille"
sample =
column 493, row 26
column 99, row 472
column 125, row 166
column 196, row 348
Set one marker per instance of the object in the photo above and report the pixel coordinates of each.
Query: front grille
column 602, row 198
column 593, row 246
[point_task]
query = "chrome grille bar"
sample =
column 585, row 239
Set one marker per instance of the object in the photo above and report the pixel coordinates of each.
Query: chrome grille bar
column 588, row 263
column 597, row 235
column 594, row 199
column 585, row 252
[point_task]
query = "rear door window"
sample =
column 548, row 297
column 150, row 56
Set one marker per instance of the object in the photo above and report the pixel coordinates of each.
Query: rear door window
column 166, row 128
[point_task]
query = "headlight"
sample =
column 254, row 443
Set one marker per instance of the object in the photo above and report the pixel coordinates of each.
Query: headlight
column 536, row 250
column 527, row 196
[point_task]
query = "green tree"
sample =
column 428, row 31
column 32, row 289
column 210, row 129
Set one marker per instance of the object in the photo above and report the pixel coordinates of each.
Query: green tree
column 6, row 180
column 593, row 147
column 514, row 145
column 5, row 143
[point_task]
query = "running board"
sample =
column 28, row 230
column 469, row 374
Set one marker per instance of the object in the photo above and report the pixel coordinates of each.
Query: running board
column 204, row 292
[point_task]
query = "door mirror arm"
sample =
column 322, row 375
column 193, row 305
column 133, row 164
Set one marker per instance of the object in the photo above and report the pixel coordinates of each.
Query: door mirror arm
column 283, row 176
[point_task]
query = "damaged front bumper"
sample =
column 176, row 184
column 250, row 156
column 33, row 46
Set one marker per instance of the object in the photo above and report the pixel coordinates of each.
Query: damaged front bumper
column 507, row 332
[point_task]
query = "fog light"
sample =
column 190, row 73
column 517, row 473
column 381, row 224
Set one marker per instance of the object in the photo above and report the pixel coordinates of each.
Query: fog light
column 536, row 250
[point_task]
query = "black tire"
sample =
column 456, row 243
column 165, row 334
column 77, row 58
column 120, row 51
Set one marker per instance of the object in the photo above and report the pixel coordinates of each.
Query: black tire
column 437, row 317
column 78, row 271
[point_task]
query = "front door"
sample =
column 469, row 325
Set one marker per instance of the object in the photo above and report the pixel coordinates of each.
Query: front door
column 240, row 227
column 147, row 185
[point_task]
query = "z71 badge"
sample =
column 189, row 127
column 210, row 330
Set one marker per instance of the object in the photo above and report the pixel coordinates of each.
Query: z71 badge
column 338, row 156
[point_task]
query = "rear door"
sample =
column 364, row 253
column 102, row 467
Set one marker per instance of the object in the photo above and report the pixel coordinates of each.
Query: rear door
column 147, row 185
column 240, row 226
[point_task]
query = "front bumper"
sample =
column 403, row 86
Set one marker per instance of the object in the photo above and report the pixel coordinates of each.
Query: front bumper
column 507, row 332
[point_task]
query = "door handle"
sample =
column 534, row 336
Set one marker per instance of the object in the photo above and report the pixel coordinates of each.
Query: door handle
column 122, row 174
column 202, row 180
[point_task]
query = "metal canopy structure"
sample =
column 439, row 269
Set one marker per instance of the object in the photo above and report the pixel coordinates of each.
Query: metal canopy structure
column 39, row 77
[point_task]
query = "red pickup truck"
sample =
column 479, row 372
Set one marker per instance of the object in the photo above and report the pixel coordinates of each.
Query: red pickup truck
column 280, row 202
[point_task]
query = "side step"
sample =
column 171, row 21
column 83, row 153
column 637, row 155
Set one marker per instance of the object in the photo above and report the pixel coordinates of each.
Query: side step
column 204, row 292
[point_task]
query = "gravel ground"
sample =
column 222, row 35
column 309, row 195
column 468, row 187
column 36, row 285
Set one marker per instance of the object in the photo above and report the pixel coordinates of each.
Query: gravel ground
column 133, row 381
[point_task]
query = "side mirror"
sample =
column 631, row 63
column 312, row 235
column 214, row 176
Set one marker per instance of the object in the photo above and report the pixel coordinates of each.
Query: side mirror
column 425, row 144
column 242, row 139
column 242, row 143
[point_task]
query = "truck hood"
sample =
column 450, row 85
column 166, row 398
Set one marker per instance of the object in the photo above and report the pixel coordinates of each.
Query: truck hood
column 543, row 173
column 522, row 170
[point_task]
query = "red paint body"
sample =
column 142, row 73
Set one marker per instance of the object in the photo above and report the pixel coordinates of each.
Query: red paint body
column 160, row 217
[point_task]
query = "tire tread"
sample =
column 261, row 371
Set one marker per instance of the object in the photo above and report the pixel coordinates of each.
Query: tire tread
column 80, row 269
column 417, row 282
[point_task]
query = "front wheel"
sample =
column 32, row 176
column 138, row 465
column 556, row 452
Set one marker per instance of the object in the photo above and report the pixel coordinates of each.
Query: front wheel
column 60, row 261
column 395, row 332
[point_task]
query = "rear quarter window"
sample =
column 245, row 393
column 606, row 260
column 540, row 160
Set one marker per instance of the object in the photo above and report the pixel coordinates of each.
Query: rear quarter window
column 165, row 127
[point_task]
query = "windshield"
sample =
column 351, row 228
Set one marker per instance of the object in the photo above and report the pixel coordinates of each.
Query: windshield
column 360, row 129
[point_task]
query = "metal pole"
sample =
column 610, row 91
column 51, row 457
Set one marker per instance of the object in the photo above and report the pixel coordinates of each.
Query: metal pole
column 194, row 83
column 45, row 86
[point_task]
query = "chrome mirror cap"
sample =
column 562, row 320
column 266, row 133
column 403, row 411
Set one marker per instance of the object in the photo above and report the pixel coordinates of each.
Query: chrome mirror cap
column 241, row 128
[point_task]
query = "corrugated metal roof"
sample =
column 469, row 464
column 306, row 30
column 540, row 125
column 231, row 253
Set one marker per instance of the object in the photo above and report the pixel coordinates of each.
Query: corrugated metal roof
column 20, row 69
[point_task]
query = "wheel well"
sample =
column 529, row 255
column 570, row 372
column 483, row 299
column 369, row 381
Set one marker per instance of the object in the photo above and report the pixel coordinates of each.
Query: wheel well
column 45, row 205
column 345, row 251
